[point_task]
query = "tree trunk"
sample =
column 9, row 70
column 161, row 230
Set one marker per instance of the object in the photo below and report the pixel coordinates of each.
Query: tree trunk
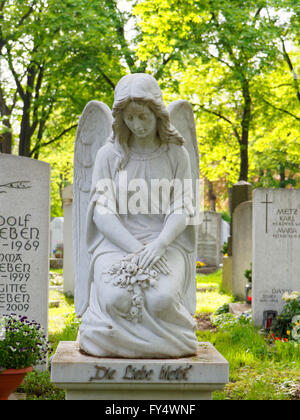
column 211, row 195
column 25, row 133
column 6, row 140
column 244, row 165
column 5, row 137
column 282, row 183
column 24, row 143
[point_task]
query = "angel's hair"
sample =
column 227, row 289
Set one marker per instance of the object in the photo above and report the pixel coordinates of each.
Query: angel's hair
column 143, row 89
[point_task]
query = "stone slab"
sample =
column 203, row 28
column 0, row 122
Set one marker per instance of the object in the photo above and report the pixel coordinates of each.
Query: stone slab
column 88, row 377
column 240, row 192
column 276, row 251
column 24, row 237
column 17, row 396
column 56, row 234
column 209, row 239
column 241, row 247
column 227, row 274
column 239, row 308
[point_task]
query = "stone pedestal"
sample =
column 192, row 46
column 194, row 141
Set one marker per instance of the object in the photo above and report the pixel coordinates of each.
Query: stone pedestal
column 92, row 378
column 227, row 274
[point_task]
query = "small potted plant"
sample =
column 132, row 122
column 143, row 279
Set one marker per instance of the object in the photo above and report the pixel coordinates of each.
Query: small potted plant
column 23, row 344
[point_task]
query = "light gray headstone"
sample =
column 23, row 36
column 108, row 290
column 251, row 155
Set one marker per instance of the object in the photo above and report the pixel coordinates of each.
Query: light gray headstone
column 24, row 237
column 241, row 247
column 209, row 242
column 56, row 233
column 225, row 232
column 69, row 275
column 276, row 249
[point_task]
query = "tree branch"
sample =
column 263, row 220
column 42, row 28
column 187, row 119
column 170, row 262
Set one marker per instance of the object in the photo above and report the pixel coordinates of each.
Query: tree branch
column 106, row 78
column 281, row 109
column 217, row 114
column 35, row 149
column 165, row 61
column 291, row 67
column 25, row 16
column 15, row 74
column 36, row 99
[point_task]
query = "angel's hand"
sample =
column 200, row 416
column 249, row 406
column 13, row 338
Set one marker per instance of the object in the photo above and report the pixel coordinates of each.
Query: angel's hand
column 152, row 254
column 162, row 266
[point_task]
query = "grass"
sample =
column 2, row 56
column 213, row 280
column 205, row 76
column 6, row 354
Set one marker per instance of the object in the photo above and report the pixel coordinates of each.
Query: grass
column 58, row 318
column 209, row 292
column 258, row 370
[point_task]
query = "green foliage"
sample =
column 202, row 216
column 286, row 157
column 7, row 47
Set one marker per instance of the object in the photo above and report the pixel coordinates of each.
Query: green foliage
column 210, row 296
column 224, row 309
column 24, row 343
column 226, row 216
column 283, row 324
column 69, row 330
column 60, row 157
column 225, row 248
column 248, row 274
column 37, row 386
column 57, row 56
column 225, row 320
column 230, row 60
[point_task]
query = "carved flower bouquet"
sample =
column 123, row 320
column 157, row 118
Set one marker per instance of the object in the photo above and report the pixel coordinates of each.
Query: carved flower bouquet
column 127, row 274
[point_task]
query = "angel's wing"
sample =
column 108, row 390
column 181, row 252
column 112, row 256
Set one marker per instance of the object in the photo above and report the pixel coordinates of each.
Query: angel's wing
column 182, row 118
column 94, row 129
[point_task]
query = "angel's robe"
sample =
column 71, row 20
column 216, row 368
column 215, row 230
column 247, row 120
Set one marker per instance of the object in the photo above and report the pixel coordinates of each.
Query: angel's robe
column 166, row 328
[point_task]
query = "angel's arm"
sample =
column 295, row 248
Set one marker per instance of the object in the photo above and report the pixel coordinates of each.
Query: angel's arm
column 176, row 222
column 113, row 229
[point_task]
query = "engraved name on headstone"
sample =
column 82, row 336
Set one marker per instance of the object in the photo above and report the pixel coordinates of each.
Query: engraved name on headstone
column 276, row 250
column 24, row 237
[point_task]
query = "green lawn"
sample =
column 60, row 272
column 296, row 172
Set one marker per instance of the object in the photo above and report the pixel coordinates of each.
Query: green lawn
column 209, row 292
column 259, row 370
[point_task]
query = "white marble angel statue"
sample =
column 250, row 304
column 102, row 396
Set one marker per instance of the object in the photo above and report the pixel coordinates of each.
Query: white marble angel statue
column 135, row 245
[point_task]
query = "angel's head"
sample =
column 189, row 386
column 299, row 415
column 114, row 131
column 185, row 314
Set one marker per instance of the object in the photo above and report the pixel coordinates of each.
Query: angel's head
column 141, row 91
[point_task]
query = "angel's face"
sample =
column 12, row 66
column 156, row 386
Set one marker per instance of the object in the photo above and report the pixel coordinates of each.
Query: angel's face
column 140, row 120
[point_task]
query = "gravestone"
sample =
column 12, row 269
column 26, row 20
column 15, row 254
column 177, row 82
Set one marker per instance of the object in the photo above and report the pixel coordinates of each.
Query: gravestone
column 276, row 251
column 240, row 192
column 242, row 247
column 69, row 275
column 225, row 232
column 24, row 237
column 56, row 233
column 209, row 239
column 227, row 274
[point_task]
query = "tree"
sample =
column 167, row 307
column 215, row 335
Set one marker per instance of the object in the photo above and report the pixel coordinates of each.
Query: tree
column 241, row 39
column 56, row 53
column 275, row 145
